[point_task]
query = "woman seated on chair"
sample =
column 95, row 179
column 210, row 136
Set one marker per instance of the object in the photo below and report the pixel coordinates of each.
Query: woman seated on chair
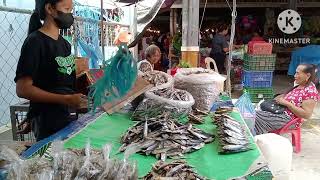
column 299, row 102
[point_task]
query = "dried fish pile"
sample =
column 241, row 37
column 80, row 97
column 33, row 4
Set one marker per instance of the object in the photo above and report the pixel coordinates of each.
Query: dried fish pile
column 164, row 138
column 232, row 135
column 155, row 78
column 145, row 67
column 158, row 79
column 173, row 94
column 149, row 109
column 172, row 98
column 197, row 116
column 178, row 170
column 71, row 165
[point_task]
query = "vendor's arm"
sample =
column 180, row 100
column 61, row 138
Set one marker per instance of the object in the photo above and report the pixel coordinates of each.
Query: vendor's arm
column 305, row 111
column 26, row 89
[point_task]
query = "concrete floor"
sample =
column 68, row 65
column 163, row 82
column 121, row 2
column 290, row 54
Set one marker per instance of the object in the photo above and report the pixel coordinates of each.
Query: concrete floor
column 305, row 164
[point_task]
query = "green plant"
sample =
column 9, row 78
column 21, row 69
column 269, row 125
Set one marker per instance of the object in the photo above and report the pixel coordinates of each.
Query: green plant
column 184, row 64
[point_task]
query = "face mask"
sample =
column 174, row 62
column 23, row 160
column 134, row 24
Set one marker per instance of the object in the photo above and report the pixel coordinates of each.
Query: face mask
column 64, row 20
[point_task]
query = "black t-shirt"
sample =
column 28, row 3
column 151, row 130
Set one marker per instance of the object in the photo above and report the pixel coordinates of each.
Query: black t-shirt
column 50, row 64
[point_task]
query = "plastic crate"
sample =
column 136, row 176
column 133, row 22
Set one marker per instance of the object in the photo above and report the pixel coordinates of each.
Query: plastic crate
column 259, row 62
column 257, row 79
column 18, row 113
column 258, row 94
column 259, row 48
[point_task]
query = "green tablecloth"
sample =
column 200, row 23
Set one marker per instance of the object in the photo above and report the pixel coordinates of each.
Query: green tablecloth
column 207, row 161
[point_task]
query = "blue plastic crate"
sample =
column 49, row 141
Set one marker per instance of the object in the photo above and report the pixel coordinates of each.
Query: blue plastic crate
column 257, row 79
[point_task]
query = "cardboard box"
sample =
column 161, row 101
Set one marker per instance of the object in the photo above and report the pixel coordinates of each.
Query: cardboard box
column 82, row 65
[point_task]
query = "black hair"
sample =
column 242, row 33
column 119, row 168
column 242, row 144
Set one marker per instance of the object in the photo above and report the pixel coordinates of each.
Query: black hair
column 312, row 70
column 222, row 28
column 39, row 14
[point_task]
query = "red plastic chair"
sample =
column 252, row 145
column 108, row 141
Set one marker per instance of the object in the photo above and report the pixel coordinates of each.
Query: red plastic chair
column 293, row 127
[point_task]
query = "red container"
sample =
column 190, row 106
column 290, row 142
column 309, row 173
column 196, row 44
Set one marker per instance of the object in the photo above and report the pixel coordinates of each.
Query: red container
column 173, row 71
column 259, row 48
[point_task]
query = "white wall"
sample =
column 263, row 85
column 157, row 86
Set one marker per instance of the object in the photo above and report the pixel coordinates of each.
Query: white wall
column 21, row 4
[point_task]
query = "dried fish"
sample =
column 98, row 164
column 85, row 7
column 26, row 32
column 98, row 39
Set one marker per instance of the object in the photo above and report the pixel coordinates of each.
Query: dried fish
column 145, row 67
column 155, row 77
column 172, row 94
column 179, row 170
column 232, row 135
column 164, row 137
column 72, row 165
column 153, row 110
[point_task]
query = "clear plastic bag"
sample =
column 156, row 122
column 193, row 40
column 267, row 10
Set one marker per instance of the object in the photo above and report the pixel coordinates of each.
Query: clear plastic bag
column 65, row 164
column 88, row 170
column 201, row 83
column 247, row 110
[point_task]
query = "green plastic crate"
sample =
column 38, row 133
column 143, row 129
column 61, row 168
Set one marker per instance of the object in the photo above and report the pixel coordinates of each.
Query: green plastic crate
column 262, row 175
column 259, row 62
column 257, row 94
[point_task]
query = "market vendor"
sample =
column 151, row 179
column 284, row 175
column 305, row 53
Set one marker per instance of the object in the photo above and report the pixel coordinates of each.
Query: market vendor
column 153, row 56
column 45, row 73
column 220, row 47
column 299, row 102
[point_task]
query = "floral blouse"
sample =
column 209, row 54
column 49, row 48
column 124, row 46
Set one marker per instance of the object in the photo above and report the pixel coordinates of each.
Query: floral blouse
column 296, row 96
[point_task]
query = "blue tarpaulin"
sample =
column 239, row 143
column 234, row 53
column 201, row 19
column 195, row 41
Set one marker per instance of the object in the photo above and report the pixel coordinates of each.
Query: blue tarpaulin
column 308, row 55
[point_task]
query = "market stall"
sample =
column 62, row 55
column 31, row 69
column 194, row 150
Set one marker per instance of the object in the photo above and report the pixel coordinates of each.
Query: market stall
column 104, row 129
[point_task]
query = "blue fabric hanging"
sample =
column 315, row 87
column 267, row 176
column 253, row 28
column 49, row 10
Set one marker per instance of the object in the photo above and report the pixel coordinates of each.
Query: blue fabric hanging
column 89, row 38
column 308, row 55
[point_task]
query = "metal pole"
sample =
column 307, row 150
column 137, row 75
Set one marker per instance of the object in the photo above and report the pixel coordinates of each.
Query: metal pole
column 233, row 17
column 102, row 32
column 75, row 35
column 134, row 28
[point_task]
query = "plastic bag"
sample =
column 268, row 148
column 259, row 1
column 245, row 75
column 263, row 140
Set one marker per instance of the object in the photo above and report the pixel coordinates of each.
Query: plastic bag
column 201, row 83
column 116, row 169
column 19, row 169
column 245, row 106
column 65, row 162
column 92, row 166
column 247, row 110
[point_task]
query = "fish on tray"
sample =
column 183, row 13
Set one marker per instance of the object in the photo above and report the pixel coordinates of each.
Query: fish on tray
column 232, row 135
column 164, row 138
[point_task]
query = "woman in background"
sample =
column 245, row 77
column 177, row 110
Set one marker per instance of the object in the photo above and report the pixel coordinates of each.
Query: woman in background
column 153, row 56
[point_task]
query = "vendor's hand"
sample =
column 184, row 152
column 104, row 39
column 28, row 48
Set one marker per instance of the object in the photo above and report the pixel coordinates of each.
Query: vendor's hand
column 282, row 101
column 76, row 100
column 278, row 97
